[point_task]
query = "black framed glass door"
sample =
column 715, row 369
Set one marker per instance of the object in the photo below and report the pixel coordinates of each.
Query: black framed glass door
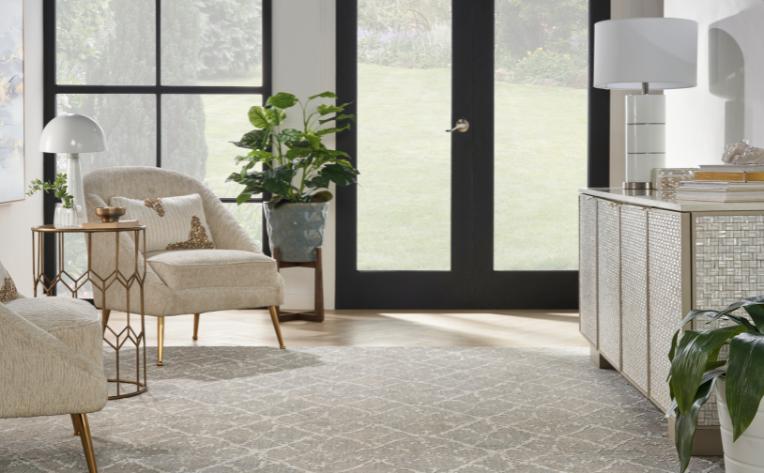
column 484, row 218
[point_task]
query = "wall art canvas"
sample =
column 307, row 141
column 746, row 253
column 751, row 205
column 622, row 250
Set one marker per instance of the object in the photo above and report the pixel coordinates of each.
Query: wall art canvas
column 11, row 100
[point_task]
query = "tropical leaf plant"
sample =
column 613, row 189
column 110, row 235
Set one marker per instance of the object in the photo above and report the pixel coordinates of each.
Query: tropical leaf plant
column 696, row 367
column 293, row 164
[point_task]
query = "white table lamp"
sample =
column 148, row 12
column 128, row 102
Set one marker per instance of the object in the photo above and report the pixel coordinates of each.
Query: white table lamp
column 73, row 134
column 645, row 54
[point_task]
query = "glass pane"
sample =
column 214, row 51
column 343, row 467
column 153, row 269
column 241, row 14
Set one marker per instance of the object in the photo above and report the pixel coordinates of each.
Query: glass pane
column 540, row 132
column 105, row 42
column 128, row 121
column 214, row 42
column 197, row 131
column 250, row 216
column 404, row 104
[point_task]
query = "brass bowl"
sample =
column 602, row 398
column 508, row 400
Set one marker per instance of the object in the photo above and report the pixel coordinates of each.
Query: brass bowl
column 110, row 214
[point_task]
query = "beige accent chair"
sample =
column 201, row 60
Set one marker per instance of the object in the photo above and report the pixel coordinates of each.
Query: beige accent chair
column 51, row 362
column 234, row 275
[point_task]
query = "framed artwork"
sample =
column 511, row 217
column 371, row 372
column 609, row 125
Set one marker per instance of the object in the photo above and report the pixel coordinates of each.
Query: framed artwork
column 11, row 100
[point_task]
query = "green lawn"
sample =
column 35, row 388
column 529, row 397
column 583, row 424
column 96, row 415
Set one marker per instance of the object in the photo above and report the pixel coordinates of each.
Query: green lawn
column 404, row 158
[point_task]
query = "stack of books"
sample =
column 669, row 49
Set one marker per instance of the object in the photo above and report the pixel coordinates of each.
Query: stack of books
column 724, row 183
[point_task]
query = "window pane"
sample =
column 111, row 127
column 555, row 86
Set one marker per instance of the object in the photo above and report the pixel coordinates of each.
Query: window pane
column 105, row 42
column 197, row 131
column 214, row 42
column 250, row 216
column 129, row 122
column 404, row 97
column 540, row 132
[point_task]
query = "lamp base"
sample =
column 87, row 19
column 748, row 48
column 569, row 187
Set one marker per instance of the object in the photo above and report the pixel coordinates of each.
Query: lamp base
column 638, row 186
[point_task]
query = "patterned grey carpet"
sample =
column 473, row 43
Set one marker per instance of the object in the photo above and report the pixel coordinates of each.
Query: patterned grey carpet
column 363, row 410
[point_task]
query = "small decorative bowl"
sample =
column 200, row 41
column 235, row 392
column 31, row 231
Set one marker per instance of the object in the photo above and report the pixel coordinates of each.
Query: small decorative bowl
column 110, row 214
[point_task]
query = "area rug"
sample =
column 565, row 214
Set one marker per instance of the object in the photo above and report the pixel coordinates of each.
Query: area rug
column 364, row 410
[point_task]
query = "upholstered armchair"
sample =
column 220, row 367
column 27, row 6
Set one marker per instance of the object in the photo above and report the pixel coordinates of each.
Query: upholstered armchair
column 234, row 274
column 51, row 360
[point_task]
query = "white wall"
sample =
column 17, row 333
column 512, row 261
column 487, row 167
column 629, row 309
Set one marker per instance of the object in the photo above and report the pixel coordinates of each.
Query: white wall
column 17, row 218
column 728, row 103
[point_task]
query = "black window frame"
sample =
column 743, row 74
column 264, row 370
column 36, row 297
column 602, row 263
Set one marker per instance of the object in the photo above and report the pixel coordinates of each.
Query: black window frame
column 51, row 89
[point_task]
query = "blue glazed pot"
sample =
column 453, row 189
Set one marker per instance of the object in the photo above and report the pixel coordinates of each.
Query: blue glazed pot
column 296, row 229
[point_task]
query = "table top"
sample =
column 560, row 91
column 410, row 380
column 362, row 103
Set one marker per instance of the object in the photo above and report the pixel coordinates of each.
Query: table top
column 54, row 229
column 668, row 201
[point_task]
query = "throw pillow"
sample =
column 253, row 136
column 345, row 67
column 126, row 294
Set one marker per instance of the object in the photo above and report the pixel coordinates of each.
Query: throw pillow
column 8, row 290
column 172, row 223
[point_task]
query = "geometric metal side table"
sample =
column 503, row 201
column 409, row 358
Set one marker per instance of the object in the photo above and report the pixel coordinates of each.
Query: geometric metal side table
column 133, row 334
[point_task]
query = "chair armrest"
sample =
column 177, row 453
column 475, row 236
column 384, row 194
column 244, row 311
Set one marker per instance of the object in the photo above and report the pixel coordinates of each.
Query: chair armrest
column 227, row 233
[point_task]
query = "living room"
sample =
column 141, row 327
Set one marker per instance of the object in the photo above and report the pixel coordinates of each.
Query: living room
column 357, row 236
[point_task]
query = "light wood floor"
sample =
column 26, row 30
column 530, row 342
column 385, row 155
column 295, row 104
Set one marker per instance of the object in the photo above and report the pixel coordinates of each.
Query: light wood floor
column 378, row 328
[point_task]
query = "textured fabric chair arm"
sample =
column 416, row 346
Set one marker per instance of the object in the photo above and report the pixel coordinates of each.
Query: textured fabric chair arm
column 226, row 231
column 40, row 375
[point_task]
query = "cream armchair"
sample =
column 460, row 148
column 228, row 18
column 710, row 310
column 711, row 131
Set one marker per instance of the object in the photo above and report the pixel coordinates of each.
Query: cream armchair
column 234, row 275
column 51, row 362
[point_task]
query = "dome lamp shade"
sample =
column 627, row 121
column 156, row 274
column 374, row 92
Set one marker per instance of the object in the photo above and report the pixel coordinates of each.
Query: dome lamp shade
column 72, row 133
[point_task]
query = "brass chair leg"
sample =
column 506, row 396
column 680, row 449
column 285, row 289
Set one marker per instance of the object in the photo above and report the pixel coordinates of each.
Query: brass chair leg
column 196, row 326
column 160, row 340
column 81, row 424
column 275, row 319
column 75, row 425
column 105, row 313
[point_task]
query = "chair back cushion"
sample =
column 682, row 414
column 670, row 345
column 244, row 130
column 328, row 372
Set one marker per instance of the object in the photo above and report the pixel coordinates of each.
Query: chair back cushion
column 8, row 290
column 172, row 223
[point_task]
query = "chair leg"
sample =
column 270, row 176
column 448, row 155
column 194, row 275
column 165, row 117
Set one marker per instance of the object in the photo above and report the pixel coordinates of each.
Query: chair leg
column 196, row 326
column 160, row 340
column 105, row 313
column 275, row 319
column 81, row 424
column 75, row 425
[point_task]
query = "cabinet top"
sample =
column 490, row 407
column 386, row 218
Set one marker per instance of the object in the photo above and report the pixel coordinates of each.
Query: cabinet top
column 668, row 201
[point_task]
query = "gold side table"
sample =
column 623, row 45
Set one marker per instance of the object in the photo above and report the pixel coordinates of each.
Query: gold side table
column 132, row 335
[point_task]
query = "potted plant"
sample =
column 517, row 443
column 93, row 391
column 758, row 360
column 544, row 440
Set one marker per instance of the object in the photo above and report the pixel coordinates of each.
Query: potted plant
column 295, row 168
column 65, row 214
column 698, row 370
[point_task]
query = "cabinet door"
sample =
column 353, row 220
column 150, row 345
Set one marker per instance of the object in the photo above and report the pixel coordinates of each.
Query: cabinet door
column 609, row 281
column 634, row 345
column 587, row 272
column 669, row 294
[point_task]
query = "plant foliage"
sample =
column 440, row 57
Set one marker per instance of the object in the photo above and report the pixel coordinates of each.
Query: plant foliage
column 696, row 366
column 58, row 187
column 293, row 164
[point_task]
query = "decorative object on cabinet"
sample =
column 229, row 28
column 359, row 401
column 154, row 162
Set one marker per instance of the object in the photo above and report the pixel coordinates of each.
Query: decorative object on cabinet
column 11, row 100
column 73, row 134
column 743, row 153
column 668, row 179
column 698, row 370
column 296, row 168
column 130, row 278
column 51, row 362
column 317, row 315
column 65, row 215
column 233, row 275
column 645, row 54
column 110, row 214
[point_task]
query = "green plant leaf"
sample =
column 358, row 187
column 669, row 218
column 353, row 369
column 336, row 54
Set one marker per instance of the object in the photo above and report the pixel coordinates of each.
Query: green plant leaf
column 686, row 422
column 693, row 352
column 258, row 117
column 755, row 308
column 324, row 95
column 255, row 139
column 282, row 100
column 325, row 109
column 330, row 131
column 243, row 197
column 321, row 196
column 745, row 380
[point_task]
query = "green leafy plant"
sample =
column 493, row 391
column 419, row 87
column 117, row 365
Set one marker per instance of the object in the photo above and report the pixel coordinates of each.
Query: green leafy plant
column 696, row 367
column 293, row 164
column 58, row 187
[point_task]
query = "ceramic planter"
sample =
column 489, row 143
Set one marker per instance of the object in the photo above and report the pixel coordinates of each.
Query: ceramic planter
column 295, row 230
column 745, row 454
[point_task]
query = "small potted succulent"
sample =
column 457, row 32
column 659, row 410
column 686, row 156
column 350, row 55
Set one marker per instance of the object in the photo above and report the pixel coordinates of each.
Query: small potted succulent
column 65, row 214
column 295, row 168
column 698, row 370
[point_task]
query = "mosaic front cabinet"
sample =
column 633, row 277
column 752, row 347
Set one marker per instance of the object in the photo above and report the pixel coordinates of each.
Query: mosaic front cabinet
column 645, row 261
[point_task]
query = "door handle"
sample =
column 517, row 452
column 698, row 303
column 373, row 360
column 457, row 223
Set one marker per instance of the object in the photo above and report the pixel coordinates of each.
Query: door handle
column 461, row 126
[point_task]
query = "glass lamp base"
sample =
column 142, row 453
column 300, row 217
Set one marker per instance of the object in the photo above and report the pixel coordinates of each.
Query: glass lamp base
column 637, row 186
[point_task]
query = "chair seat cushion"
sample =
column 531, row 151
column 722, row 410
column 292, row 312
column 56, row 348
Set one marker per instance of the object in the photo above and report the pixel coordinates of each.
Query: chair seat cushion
column 193, row 269
column 75, row 322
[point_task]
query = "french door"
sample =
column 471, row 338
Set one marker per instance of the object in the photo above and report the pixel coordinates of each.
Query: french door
column 483, row 215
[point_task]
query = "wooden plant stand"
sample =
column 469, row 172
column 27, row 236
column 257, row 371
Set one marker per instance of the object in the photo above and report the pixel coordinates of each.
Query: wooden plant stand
column 317, row 315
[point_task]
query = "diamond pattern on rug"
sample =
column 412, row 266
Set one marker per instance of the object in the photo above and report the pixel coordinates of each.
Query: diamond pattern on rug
column 363, row 410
